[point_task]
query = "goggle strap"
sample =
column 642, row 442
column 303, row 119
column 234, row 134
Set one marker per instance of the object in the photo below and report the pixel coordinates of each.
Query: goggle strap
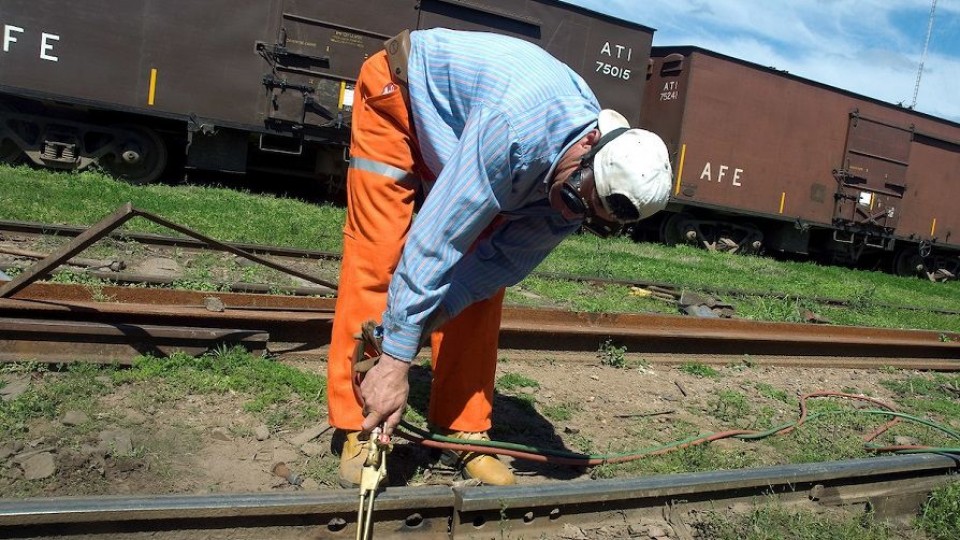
column 606, row 138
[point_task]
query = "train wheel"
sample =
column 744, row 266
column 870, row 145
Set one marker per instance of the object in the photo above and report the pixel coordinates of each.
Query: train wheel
column 908, row 262
column 673, row 229
column 139, row 155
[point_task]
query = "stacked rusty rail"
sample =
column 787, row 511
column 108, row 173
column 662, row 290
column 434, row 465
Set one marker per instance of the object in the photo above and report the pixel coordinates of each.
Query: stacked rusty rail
column 302, row 326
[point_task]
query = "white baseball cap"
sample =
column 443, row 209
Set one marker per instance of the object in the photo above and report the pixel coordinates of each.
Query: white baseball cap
column 633, row 167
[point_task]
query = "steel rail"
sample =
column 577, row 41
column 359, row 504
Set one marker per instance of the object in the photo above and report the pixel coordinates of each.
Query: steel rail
column 890, row 486
column 72, row 341
column 305, row 323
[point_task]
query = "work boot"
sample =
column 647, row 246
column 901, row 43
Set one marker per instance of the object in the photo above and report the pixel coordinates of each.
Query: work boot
column 485, row 468
column 353, row 455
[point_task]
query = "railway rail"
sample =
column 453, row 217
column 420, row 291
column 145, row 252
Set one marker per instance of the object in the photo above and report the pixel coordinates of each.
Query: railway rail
column 301, row 326
column 891, row 486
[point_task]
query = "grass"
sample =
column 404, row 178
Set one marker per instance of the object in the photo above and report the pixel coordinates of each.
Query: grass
column 730, row 406
column 280, row 394
column 229, row 215
column 561, row 412
column 699, row 370
column 76, row 387
column 940, row 516
column 514, row 381
column 225, row 214
column 772, row 521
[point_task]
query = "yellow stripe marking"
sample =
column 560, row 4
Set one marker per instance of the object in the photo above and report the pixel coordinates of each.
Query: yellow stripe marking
column 153, row 86
column 683, row 156
column 343, row 90
column 933, row 227
column 783, row 198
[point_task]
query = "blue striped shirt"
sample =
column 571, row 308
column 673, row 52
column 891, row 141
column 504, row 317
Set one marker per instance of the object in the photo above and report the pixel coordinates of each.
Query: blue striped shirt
column 492, row 114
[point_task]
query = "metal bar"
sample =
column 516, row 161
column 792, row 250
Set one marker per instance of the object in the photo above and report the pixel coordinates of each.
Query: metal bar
column 479, row 512
column 878, row 157
column 237, row 287
column 236, row 251
column 75, row 246
column 527, row 329
column 71, row 341
column 532, row 511
column 160, row 240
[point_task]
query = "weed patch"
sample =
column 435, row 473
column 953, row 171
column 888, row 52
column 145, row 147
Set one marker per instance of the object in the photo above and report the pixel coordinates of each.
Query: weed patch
column 611, row 355
column 772, row 521
column 273, row 388
column 699, row 370
column 940, row 517
column 512, row 381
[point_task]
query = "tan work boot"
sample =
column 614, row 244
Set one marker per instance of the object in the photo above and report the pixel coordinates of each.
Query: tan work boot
column 485, row 468
column 352, row 456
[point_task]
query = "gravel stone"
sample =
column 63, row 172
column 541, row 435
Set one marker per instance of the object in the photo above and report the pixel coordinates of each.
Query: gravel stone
column 74, row 418
column 39, row 466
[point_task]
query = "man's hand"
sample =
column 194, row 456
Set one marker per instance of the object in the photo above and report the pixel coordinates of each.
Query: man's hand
column 384, row 390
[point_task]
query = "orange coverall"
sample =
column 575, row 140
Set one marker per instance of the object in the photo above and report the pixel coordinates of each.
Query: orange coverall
column 384, row 177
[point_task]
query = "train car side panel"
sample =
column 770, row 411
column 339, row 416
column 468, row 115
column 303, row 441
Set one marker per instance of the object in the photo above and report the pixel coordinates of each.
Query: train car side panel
column 91, row 46
column 932, row 190
column 736, row 152
column 131, row 55
column 317, row 51
column 222, row 76
column 610, row 54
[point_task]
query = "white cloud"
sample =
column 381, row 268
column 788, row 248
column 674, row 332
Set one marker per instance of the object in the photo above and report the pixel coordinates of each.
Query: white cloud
column 871, row 47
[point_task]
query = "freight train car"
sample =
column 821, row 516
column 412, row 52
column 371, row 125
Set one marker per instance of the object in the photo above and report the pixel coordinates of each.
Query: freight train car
column 235, row 86
column 765, row 160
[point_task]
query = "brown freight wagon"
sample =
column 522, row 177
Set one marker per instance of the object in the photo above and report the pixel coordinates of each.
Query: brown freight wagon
column 767, row 160
column 245, row 85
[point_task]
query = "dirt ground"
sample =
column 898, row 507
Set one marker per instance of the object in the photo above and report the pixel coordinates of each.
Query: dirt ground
column 139, row 443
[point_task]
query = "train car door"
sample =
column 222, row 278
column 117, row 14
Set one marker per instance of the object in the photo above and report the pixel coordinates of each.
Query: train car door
column 319, row 48
column 872, row 180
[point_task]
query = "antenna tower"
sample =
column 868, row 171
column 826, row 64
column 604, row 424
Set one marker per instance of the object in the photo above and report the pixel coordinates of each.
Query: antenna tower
column 923, row 57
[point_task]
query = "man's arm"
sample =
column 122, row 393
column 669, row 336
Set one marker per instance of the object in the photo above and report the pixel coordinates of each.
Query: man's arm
column 462, row 203
column 505, row 258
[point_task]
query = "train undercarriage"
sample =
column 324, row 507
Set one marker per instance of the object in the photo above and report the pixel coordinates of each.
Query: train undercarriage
column 142, row 150
column 71, row 138
column 726, row 233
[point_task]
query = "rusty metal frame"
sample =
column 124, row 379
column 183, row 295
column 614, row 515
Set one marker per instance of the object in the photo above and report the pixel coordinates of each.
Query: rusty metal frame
column 123, row 214
column 66, row 340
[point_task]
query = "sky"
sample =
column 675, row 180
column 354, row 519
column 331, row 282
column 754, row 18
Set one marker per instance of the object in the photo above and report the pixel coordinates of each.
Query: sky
column 871, row 47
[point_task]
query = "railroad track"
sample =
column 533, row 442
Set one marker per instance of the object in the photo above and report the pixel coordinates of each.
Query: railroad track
column 38, row 229
column 891, row 486
column 109, row 324
column 297, row 325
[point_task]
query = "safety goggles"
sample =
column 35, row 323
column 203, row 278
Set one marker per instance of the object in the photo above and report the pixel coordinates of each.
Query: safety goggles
column 573, row 197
